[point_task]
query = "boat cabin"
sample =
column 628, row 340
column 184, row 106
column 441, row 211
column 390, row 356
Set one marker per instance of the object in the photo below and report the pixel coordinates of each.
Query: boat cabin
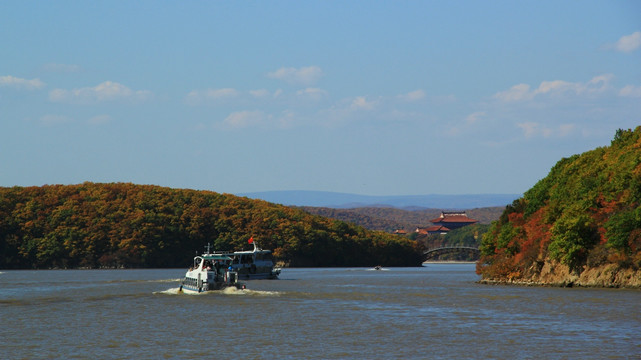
column 251, row 257
column 211, row 261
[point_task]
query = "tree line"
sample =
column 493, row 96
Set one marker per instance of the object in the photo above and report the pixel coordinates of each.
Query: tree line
column 93, row 225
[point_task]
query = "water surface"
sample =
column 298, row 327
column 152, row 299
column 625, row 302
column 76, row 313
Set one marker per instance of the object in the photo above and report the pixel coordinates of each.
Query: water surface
column 435, row 312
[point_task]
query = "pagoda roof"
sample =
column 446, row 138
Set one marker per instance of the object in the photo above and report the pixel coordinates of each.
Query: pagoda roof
column 436, row 228
column 453, row 217
column 432, row 229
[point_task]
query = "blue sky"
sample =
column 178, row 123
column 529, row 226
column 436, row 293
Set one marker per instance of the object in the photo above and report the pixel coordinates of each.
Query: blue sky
column 366, row 97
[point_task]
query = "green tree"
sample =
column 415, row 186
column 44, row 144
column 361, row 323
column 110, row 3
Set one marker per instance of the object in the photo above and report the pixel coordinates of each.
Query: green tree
column 572, row 238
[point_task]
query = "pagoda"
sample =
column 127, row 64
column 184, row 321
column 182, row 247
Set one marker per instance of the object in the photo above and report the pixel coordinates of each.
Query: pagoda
column 452, row 220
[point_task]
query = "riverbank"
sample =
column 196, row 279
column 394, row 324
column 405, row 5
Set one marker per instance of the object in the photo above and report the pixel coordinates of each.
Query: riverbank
column 559, row 275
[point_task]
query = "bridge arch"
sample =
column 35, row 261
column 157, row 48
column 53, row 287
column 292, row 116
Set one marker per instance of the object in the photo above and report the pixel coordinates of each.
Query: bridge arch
column 438, row 251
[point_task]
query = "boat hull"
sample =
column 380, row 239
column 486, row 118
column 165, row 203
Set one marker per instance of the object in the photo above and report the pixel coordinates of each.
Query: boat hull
column 253, row 273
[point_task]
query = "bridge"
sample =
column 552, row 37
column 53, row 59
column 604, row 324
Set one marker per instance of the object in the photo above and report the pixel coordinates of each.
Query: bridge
column 434, row 252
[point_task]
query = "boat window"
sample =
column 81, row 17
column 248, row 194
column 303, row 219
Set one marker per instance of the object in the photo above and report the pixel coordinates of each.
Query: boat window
column 267, row 256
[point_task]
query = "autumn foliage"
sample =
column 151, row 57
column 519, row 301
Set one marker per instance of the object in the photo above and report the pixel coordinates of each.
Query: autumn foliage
column 125, row 225
column 585, row 213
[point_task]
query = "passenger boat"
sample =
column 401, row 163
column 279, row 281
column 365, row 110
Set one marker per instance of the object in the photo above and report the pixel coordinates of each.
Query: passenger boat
column 253, row 264
column 210, row 272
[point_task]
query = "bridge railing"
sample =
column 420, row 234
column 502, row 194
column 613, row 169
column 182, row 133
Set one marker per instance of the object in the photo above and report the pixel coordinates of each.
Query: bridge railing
column 461, row 247
column 434, row 252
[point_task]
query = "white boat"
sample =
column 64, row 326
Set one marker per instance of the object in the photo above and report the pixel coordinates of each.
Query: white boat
column 210, row 272
column 253, row 264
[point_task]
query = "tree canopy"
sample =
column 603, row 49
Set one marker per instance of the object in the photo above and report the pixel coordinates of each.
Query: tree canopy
column 126, row 225
column 586, row 212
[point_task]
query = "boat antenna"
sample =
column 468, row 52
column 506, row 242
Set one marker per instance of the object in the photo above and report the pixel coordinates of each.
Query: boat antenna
column 208, row 248
column 253, row 242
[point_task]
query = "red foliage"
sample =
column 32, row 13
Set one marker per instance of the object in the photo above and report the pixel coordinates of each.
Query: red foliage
column 516, row 218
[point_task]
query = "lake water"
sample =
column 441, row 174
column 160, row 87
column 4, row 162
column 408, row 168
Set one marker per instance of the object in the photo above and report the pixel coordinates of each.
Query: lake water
column 434, row 312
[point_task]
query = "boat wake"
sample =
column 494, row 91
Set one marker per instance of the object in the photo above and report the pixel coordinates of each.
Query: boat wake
column 248, row 292
column 165, row 280
column 172, row 291
column 232, row 291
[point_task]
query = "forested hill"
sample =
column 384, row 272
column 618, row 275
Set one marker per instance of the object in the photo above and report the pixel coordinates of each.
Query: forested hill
column 390, row 219
column 126, row 225
column 579, row 225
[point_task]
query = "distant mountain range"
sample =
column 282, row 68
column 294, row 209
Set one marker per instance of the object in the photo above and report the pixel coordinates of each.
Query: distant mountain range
column 345, row 201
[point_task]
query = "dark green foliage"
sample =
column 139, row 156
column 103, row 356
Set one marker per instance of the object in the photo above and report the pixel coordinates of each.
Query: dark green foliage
column 620, row 225
column 466, row 236
column 126, row 225
column 572, row 238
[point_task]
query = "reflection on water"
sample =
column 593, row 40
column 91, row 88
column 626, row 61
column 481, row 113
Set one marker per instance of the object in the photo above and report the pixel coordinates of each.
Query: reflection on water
column 436, row 312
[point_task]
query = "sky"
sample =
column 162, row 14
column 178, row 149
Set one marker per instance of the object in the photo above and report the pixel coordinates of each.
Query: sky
column 364, row 97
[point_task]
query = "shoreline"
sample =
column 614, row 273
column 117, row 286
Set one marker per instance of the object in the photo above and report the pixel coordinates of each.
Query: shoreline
column 568, row 284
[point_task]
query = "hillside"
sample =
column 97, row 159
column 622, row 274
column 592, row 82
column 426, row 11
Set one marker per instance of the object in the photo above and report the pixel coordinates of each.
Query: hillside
column 126, row 225
column 390, row 219
column 580, row 225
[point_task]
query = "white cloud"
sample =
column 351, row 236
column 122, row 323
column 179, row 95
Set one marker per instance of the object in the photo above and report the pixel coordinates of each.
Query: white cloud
column 301, row 76
column 630, row 91
column 243, row 119
column 412, row 96
column 629, row 43
column 20, row 83
column 265, row 94
column 361, row 103
column 312, row 93
column 100, row 119
column 475, row 117
column 220, row 93
column 106, row 91
column 556, row 88
column 516, row 93
column 55, row 119
column 468, row 124
column 197, row 96
column 260, row 93
column 597, row 84
column 287, row 119
column 535, row 129
column 530, row 129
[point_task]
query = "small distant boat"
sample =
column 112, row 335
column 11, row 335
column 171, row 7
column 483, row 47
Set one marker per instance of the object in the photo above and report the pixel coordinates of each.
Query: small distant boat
column 210, row 272
column 377, row 268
